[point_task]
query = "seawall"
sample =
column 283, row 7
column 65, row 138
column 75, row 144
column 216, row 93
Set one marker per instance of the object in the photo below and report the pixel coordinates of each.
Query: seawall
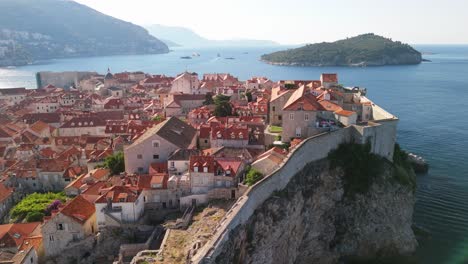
column 315, row 148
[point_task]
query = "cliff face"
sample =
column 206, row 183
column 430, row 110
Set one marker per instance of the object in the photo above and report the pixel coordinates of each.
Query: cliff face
column 312, row 220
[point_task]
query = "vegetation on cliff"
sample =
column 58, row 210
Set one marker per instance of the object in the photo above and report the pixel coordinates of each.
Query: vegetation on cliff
column 359, row 164
column 361, row 167
column 53, row 29
column 403, row 171
column 362, row 50
column 35, row 206
column 253, row 176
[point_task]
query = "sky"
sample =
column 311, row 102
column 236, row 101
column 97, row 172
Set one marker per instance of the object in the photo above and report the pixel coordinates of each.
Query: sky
column 301, row 21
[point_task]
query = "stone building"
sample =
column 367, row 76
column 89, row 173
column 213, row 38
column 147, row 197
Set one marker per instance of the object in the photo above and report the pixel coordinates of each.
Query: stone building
column 69, row 224
column 157, row 144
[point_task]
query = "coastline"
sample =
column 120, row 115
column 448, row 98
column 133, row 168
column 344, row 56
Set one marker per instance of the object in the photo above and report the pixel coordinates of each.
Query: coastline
column 361, row 64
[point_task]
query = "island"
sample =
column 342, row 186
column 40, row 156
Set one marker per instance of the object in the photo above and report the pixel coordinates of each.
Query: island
column 363, row 50
column 47, row 29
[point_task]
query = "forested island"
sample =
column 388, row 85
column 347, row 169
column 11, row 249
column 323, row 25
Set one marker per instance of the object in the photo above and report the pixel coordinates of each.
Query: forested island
column 363, row 50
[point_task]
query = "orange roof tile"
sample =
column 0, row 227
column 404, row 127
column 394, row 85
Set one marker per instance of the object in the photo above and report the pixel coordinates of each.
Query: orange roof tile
column 79, row 209
column 345, row 113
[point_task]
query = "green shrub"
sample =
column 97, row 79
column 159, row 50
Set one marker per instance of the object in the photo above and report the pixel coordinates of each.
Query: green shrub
column 253, row 176
column 403, row 172
column 359, row 164
column 276, row 129
column 35, row 204
column 34, row 216
column 115, row 163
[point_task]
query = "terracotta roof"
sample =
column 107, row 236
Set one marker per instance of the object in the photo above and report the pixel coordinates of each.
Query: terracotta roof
column 45, row 117
column 330, row 106
column 300, row 100
column 84, row 121
column 98, row 174
column 158, row 167
column 230, row 164
column 39, row 126
column 32, row 242
column 18, row 232
column 79, row 209
column 345, row 113
column 203, row 161
column 115, row 193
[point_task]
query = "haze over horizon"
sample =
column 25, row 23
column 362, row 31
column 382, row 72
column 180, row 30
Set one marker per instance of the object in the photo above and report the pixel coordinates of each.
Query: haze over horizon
column 300, row 21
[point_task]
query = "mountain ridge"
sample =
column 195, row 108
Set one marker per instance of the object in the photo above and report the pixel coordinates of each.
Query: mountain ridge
column 189, row 38
column 46, row 29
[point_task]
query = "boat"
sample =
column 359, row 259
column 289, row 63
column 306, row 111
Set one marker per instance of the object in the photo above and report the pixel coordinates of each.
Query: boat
column 230, row 58
column 186, row 57
column 195, row 54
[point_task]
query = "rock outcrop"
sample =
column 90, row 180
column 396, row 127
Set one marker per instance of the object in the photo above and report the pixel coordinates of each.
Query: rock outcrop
column 313, row 220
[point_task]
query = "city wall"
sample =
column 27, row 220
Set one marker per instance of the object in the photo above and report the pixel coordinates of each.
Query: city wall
column 379, row 134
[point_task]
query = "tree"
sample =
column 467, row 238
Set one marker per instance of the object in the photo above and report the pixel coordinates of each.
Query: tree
column 249, row 96
column 34, row 216
column 158, row 118
column 223, row 106
column 115, row 163
column 253, row 176
column 208, row 99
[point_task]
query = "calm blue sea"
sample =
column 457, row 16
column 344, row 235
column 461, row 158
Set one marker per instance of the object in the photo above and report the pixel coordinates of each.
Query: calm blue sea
column 431, row 100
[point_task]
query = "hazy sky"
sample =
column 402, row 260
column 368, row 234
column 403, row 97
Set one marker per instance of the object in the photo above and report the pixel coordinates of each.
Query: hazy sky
column 301, row 21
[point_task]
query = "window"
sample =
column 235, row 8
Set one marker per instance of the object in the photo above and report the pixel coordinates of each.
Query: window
column 60, row 227
column 291, row 116
column 206, row 141
column 155, row 144
column 139, row 156
column 172, row 164
column 298, row 132
column 280, row 117
column 51, row 238
column 205, row 169
column 273, row 108
column 195, row 169
column 306, row 117
column 155, row 156
column 140, row 169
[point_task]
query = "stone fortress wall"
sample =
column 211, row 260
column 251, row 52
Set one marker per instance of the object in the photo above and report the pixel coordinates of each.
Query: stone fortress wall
column 61, row 79
column 381, row 134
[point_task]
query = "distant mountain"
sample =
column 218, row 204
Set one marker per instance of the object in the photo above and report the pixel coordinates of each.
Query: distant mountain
column 43, row 29
column 188, row 38
column 363, row 50
column 169, row 43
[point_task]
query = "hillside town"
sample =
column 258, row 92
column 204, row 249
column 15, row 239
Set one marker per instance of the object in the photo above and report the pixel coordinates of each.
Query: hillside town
column 109, row 154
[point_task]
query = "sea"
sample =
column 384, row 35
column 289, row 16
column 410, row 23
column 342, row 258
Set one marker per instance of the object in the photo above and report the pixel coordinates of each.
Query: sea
column 431, row 100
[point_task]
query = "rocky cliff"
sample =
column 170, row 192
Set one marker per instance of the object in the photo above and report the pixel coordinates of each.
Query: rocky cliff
column 316, row 220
